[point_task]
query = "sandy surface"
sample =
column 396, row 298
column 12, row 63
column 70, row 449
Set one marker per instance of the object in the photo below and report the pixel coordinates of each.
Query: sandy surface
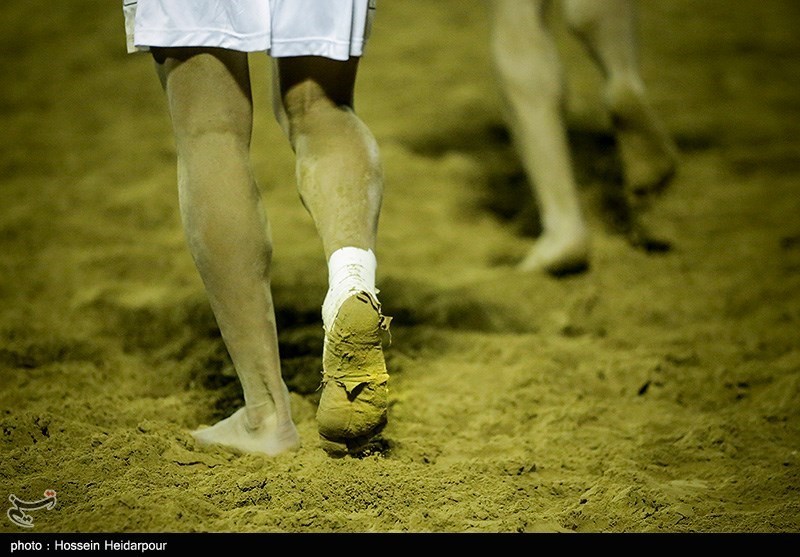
column 653, row 393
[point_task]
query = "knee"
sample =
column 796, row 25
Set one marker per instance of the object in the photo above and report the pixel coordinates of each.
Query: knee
column 220, row 136
column 581, row 17
column 532, row 72
column 304, row 107
column 524, row 52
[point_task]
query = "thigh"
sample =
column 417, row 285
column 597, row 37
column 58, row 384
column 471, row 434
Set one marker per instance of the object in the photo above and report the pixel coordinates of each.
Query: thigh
column 521, row 17
column 207, row 88
column 310, row 78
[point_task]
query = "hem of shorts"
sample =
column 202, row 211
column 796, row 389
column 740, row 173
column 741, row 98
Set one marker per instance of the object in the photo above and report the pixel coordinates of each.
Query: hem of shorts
column 328, row 49
column 337, row 50
column 144, row 40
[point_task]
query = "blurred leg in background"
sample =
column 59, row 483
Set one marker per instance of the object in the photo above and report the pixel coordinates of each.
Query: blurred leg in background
column 530, row 75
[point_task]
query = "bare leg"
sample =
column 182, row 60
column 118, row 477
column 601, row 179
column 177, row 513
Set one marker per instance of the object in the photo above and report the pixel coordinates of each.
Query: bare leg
column 528, row 69
column 608, row 30
column 226, row 229
column 340, row 180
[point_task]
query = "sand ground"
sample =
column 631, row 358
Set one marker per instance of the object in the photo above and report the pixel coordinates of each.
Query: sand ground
column 653, row 393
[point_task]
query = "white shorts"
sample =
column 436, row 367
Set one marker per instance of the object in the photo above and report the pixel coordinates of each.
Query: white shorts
column 336, row 29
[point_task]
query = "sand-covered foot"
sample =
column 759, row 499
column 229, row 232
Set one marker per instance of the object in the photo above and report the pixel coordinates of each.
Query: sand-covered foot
column 558, row 254
column 645, row 234
column 235, row 434
column 649, row 155
column 354, row 402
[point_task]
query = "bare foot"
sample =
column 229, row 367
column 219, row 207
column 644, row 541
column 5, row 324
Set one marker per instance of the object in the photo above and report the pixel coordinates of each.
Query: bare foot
column 354, row 401
column 649, row 156
column 558, row 253
column 644, row 234
column 235, row 434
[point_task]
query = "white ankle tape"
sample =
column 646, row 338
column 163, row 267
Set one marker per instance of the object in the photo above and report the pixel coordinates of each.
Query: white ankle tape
column 350, row 270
